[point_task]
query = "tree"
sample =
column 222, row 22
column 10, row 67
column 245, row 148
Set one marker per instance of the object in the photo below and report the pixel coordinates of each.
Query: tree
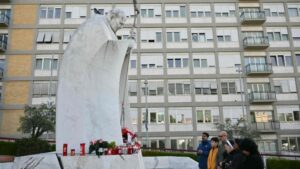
column 240, row 129
column 38, row 119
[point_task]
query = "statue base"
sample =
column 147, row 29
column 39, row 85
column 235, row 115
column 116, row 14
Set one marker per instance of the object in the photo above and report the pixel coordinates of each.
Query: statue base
column 54, row 161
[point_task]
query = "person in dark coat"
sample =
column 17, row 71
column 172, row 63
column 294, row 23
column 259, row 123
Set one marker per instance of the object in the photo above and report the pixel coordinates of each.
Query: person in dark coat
column 228, row 155
column 203, row 151
column 238, row 157
column 253, row 159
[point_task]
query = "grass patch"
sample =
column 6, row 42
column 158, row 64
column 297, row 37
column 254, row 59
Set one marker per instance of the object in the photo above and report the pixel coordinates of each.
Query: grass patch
column 274, row 163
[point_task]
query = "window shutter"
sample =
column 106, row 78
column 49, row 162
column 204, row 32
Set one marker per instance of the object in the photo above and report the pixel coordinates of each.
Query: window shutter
column 292, row 85
column 55, row 37
column 285, row 86
column 206, row 84
column 132, row 87
column 48, row 37
column 213, row 85
column 152, row 86
column 237, row 86
column 37, row 89
column 40, row 38
column 67, row 37
column 198, row 84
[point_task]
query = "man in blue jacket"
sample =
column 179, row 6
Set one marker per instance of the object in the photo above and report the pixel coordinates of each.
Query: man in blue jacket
column 203, row 151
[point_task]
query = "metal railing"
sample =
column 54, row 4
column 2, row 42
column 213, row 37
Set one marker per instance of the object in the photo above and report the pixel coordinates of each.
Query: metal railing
column 258, row 68
column 253, row 16
column 263, row 96
column 3, row 42
column 256, row 41
column 266, row 126
column 4, row 18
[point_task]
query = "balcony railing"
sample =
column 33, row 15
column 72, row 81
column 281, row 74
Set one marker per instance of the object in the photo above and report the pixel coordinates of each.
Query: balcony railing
column 262, row 97
column 3, row 42
column 259, row 68
column 253, row 17
column 266, row 126
column 1, row 73
column 4, row 19
column 259, row 42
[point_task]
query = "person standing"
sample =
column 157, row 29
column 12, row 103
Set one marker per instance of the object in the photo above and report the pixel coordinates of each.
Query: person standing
column 203, row 151
column 212, row 157
column 253, row 159
column 221, row 147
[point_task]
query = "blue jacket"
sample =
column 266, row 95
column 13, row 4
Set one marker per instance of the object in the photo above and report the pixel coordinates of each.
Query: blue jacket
column 205, row 146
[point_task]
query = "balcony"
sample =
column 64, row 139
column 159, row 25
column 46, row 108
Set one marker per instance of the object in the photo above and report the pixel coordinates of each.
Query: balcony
column 271, row 126
column 4, row 20
column 254, row 17
column 1, row 73
column 262, row 97
column 256, row 42
column 3, row 42
column 259, row 69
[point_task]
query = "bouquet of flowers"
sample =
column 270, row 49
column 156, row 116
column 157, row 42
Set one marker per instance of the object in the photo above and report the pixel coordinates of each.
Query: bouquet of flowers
column 100, row 147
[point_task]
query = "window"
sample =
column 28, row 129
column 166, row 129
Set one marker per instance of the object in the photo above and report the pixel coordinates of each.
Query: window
column 224, row 38
column 50, row 12
column 281, row 60
column 179, row 12
column 75, row 12
column 202, row 61
column 178, row 62
column 155, row 117
column 45, row 64
column 285, row 85
column 48, row 37
column 225, row 10
column 195, row 14
column 277, row 36
column 228, row 88
column 293, row 12
column 133, row 64
column 205, row 88
column 298, row 59
column 44, row 88
column 289, row 117
column 147, row 13
column 199, row 37
column 132, row 88
column 204, row 116
column 274, row 10
column 180, row 117
column 176, row 36
column 296, row 33
column 155, row 88
column 158, row 36
column 290, row 143
column 179, row 88
column 182, row 11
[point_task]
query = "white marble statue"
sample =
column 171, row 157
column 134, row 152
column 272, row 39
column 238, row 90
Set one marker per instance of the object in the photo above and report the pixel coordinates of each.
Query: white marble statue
column 92, row 84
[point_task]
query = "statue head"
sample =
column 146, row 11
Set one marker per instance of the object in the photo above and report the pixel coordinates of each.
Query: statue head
column 116, row 19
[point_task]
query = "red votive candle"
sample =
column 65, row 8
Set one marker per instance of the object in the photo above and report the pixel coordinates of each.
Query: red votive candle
column 82, row 149
column 72, row 152
column 65, row 149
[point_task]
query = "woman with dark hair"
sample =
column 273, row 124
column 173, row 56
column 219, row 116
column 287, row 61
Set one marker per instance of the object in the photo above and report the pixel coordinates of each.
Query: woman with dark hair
column 252, row 159
column 238, row 156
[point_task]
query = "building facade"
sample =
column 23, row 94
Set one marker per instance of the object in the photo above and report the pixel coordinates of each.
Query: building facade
column 205, row 62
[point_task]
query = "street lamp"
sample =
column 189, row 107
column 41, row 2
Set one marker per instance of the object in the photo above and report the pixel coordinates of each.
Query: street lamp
column 146, row 119
column 240, row 71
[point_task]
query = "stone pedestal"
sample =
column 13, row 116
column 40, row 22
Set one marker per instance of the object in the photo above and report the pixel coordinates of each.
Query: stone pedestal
column 104, row 162
column 51, row 161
